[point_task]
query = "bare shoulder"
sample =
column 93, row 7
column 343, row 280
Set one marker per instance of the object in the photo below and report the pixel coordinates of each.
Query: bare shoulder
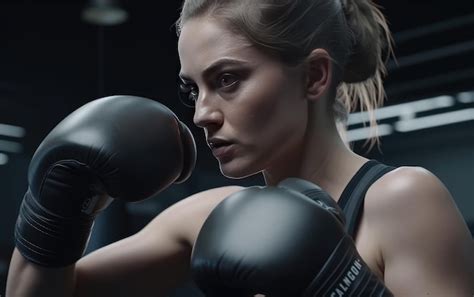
column 407, row 187
column 185, row 218
column 412, row 197
column 420, row 234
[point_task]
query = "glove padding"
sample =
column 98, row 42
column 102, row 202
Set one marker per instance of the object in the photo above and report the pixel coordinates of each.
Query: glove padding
column 123, row 147
column 277, row 241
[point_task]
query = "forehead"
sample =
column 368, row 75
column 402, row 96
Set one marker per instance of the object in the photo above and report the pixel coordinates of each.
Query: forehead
column 204, row 40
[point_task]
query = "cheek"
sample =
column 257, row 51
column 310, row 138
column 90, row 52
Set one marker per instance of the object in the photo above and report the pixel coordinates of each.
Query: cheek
column 254, row 117
column 268, row 118
column 271, row 107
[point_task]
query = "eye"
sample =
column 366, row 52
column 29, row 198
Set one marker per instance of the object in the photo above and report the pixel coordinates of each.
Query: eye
column 227, row 80
column 188, row 94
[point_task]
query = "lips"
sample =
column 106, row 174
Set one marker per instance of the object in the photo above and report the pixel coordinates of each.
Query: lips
column 221, row 149
column 215, row 143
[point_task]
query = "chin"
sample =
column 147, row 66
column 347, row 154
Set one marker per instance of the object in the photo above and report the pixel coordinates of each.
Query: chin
column 237, row 170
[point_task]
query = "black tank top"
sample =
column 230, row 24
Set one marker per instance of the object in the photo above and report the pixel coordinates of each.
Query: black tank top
column 352, row 198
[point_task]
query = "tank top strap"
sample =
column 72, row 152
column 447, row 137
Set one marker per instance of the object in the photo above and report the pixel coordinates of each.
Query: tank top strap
column 352, row 198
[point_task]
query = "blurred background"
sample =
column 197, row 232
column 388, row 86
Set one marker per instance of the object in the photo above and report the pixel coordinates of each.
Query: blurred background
column 57, row 55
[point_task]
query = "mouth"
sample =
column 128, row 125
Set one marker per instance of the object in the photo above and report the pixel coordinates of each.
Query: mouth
column 215, row 143
column 221, row 149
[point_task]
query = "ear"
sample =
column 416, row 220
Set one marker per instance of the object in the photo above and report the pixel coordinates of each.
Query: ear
column 318, row 74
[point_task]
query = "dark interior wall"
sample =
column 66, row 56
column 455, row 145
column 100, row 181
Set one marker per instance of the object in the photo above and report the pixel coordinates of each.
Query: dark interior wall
column 51, row 63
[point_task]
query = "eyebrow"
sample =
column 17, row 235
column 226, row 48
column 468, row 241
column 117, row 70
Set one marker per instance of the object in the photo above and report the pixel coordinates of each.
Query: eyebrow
column 213, row 67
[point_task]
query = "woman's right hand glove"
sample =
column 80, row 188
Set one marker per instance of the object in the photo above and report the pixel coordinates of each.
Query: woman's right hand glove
column 119, row 147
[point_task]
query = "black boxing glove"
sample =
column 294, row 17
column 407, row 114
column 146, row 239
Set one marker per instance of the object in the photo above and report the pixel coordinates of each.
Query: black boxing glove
column 316, row 194
column 120, row 147
column 277, row 241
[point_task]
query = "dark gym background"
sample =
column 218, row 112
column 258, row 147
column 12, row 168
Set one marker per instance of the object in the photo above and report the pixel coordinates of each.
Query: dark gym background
column 52, row 61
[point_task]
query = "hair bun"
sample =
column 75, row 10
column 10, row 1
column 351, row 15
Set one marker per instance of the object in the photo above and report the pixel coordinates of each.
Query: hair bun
column 370, row 35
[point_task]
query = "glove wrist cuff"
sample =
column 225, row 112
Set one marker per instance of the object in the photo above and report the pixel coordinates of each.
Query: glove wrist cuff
column 48, row 239
column 346, row 274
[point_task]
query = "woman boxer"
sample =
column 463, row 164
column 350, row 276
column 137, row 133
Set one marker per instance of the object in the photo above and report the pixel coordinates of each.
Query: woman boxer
column 270, row 81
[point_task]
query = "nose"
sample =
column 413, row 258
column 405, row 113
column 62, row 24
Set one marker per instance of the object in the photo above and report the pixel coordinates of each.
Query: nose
column 206, row 112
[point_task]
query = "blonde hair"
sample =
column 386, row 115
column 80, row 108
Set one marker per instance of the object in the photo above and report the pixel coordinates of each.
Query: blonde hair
column 374, row 40
column 354, row 32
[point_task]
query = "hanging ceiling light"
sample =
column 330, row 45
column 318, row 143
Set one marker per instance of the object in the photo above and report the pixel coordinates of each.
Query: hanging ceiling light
column 104, row 13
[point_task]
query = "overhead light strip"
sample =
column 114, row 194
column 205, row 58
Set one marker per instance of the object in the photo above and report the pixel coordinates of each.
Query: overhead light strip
column 10, row 146
column 12, row 131
column 403, row 109
column 435, row 120
column 405, row 120
column 466, row 97
column 367, row 132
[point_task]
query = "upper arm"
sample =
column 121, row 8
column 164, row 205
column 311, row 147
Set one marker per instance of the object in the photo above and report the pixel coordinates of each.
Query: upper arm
column 153, row 261
column 425, row 244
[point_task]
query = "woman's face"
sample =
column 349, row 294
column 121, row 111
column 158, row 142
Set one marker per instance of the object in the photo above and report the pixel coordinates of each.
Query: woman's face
column 252, row 107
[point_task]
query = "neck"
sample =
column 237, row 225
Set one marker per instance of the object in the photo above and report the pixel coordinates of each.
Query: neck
column 322, row 157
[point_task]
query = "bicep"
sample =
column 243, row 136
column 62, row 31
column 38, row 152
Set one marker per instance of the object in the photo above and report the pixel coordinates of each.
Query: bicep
column 426, row 246
column 140, row 265
column 434, row 265
column 156, row 259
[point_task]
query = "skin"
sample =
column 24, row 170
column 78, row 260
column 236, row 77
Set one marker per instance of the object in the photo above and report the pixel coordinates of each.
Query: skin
column 278, row 117
column 411, row 234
